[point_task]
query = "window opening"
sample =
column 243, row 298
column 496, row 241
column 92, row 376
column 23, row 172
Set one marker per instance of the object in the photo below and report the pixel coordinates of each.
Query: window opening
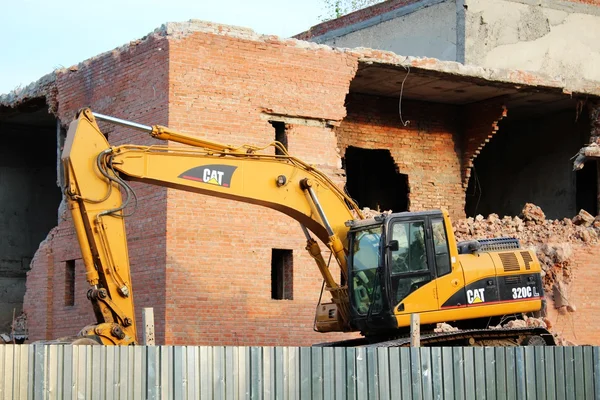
column 70, row 283
column 280, row 135
column 282, row 274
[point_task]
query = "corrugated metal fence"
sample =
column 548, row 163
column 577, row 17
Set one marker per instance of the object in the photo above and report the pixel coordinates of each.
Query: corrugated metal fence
column 190, row 372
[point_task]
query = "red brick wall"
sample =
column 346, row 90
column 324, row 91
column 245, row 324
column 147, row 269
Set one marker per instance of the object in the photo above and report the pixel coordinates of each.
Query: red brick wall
column 480, row 124
column 219, row 251
column 427, row 150
column 130, row 83
column 582, row 326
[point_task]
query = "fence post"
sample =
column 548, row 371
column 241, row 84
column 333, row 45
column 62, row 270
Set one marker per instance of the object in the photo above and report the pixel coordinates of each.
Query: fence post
column 415, row 330
column 148, row 322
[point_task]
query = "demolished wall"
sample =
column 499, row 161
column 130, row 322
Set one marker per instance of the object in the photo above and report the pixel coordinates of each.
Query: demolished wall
column 129, row 82
column 427, row 149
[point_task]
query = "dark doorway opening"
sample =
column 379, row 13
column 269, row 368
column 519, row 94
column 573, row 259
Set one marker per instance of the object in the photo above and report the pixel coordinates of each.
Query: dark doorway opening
column 373, row 180
column 29, row 196
column 282, row 274
column 280, row 135
column 529, row 161
column 586, row 181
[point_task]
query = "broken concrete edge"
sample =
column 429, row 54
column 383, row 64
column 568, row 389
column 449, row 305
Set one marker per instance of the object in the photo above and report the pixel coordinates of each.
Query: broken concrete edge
column 387, row 10
column 517, row 79
column 509, row 77
column 363, row 19
column 179, row 30
column 45, row 87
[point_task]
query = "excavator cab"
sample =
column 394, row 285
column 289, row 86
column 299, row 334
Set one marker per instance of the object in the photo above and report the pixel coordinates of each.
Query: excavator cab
column 392, row 256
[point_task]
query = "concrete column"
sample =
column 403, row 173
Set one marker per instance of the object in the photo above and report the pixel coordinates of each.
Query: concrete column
column 415, row 330
column 148, row 323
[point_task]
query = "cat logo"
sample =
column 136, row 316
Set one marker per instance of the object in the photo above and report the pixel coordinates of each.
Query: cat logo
column 219, row 175
column 475, row 296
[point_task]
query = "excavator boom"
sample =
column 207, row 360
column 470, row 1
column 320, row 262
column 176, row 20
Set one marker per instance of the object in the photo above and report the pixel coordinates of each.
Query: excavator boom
column 97, row 173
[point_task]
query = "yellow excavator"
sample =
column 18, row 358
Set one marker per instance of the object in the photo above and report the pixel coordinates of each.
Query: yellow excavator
column 392, row 265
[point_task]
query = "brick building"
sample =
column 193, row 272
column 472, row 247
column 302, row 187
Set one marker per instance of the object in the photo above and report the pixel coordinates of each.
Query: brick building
column 366, row 117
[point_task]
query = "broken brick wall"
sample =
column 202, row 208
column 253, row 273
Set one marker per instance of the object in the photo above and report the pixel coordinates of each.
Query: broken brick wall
column 130, row 83
column 227, row 88
column 427, row 149
column 582, row 326
column 480, row 124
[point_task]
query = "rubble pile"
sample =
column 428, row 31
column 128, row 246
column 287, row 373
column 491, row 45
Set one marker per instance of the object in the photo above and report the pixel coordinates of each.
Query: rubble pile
column 369, row 213
column 444, row 327
column 531, row 322
column 551, row 240
column 525, row 322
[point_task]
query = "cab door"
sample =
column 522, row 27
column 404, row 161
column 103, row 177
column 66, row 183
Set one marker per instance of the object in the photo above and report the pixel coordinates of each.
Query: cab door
column 449, row 281
column 412, row 287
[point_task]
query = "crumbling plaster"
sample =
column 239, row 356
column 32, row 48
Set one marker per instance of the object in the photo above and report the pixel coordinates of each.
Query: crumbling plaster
column 555, row 41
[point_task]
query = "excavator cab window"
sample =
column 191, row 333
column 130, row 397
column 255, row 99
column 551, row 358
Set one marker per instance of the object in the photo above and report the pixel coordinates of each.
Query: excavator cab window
column 365, row 259
column 409, row 267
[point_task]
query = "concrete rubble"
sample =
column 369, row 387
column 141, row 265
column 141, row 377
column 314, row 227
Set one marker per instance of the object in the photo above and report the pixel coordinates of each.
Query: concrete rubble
column 524, row 322
column 588, row 153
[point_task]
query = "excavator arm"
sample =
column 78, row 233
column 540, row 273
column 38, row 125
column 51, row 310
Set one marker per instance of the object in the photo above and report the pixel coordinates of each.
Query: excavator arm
column 96, row 175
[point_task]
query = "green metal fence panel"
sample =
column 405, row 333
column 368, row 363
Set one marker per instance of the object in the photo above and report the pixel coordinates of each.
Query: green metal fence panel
column 39, row 372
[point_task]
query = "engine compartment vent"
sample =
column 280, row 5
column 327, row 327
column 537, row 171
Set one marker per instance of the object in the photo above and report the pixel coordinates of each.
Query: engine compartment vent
column 509, row 262
column 527, row 259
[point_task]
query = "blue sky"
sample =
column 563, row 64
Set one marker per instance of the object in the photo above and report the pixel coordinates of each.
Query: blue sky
column 43, row 35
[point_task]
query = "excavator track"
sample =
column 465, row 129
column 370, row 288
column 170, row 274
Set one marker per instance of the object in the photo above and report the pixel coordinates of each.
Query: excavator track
column 467, row 337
